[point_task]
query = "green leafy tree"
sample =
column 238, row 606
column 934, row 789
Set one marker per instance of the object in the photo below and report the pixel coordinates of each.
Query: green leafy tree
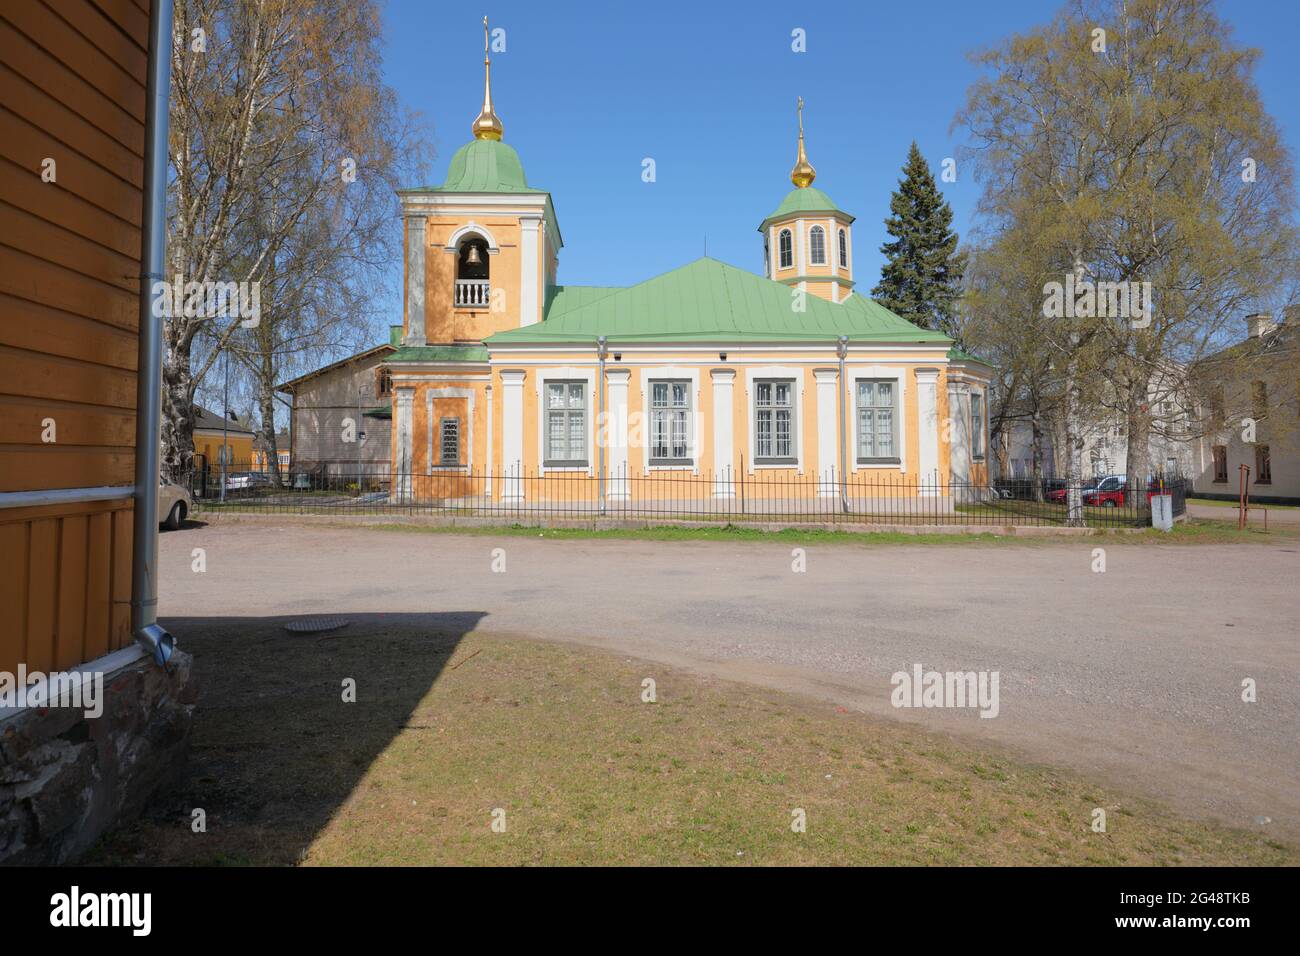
column 922, row 279
column 1126, row 141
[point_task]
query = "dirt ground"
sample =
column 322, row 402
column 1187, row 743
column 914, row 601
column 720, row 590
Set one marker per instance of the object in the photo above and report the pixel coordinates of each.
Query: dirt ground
column 451, row 730
column 1132, row 676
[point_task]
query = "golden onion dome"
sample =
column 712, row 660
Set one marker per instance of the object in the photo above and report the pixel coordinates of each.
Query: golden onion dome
column 803, row 173
column 487, row 125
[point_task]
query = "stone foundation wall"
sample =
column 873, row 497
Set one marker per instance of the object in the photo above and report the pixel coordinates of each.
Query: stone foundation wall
column 65, row 779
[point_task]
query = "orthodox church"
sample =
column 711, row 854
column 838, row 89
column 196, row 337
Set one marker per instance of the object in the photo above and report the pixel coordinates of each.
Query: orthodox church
column 508, row 384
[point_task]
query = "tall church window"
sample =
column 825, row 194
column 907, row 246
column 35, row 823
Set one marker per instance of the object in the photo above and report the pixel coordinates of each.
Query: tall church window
column 566, row 424
column 670, row 422
column 844, row 249
column 877, row 422
column 817, row 245
column 785, row 247
column 774, row 425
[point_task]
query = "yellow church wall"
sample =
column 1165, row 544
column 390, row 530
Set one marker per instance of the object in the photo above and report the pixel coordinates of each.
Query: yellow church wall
column 583, row 364
column 443, row 321
column 440, row 481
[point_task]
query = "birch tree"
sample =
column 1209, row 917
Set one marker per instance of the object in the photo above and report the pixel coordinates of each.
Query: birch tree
column 1135, row 131
column 285, row 147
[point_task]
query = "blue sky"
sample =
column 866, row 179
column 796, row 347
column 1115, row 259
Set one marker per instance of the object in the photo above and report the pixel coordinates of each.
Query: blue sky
column 586, row 91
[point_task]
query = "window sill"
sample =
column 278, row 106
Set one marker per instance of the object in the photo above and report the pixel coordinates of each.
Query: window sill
column 1262, row 481
column 565, row 466
column 883, row 462
column 1219, row 481
column 776, row 463
column 437, row 468
column 671, row 463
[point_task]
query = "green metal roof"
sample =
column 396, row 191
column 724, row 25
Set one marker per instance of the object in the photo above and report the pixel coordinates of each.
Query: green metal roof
column 485, row 166
column 709, row 300
column 956, row 354
column 798, row 201
column 440, row 353
column 566, row 298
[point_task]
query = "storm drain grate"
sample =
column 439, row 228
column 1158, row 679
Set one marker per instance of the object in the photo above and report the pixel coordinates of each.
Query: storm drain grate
column 316, row 625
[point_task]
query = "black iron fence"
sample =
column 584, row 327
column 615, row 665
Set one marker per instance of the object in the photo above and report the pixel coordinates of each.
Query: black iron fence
column 536, row 496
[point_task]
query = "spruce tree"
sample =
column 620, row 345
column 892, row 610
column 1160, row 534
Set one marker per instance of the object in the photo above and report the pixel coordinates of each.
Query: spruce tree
column 922, row 278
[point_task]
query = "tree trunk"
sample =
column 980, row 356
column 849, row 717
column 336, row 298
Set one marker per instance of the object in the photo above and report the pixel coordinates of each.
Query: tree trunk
column 266, row 407
column 1037, row 452
column 177, row 416
column 1137, row 463
column 1074, row 453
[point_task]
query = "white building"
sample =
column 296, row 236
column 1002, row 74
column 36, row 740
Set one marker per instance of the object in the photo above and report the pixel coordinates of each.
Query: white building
column 1250, row 399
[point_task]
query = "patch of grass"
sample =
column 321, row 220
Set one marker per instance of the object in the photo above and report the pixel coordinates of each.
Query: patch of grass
column 1207, row 531
column 449, row 728
column 1193, row 531
column 723, row 532
column 1216, row 503
column 1051, row 514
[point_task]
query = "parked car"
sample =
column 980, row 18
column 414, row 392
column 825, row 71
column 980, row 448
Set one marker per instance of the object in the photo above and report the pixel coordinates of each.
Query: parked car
column 247, row 480
column 1058, row 489
column 1113, row 492
column 174, row 503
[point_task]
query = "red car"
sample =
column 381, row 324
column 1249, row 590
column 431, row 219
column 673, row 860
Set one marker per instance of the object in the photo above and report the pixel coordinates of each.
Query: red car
column 1112, row 492
column 1108, row 493
column 1058, row 495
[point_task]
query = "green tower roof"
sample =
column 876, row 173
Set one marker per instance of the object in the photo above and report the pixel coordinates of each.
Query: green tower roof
column 486, row 166
column 808, row 199
column 482, row 166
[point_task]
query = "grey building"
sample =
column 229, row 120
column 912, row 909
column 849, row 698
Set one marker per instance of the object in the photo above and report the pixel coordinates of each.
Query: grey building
column 340, row 418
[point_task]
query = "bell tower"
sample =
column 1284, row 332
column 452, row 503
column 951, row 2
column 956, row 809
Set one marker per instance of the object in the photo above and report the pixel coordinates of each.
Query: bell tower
column 808, row 240
column 482, row 247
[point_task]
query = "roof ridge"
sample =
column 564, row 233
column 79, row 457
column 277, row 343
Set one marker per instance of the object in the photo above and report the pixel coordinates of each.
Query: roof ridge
column 726, row 291
column 684, row 302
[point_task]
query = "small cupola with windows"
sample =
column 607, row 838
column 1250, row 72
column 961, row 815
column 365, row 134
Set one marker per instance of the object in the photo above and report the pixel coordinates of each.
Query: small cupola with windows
column 807, row 241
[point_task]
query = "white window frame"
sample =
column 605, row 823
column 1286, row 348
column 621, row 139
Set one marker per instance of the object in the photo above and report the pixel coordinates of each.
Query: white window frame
column 752, row 376
column 677, row 374
column 843, row 238
column 899, row 375
column 784, row 261
column 897, row 424
column 812, row 246
column 978, row 436
column 566, row 373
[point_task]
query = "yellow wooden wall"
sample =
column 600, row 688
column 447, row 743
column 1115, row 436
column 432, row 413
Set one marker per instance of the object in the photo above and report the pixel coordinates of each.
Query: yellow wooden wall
column 72, row 89
column 67, row 593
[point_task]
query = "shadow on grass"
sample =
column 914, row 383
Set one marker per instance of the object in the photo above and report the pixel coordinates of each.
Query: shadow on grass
column 275, row 749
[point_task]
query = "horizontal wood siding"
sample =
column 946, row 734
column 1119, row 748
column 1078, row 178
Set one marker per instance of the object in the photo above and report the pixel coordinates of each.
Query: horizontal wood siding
column 72, row 89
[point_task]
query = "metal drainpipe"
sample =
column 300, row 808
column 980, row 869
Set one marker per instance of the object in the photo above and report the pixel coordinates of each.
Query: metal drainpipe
column 148, row 403
column 842, row 350
column 601, row 352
